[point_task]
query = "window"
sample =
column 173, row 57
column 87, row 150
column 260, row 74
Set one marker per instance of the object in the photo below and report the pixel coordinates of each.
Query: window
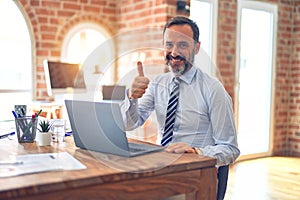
column 255, row 64
column 88, row 44
column 16, row 59
column 80, row 42
column 204, row 13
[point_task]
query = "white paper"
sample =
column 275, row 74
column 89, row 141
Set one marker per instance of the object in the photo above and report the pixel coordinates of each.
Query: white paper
column 35, row 163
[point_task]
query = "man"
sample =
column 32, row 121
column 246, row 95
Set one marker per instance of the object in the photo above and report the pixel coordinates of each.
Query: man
column 203, row 122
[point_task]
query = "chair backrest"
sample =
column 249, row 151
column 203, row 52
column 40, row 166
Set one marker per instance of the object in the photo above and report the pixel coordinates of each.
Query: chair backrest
column 222, row 181
column 113, row 92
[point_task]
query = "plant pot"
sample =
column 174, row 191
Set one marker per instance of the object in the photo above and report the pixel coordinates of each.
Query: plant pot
column 44, row 138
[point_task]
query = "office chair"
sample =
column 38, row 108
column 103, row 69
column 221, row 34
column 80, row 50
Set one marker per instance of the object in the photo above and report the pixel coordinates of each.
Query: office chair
column 222, row 181
column 113, row 92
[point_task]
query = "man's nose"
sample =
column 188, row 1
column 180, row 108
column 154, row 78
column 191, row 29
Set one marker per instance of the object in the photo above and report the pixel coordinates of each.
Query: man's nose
column 174, row 51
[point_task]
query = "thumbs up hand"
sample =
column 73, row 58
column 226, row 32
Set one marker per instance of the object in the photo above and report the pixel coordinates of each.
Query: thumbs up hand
column 140, row 83
column 140, row 68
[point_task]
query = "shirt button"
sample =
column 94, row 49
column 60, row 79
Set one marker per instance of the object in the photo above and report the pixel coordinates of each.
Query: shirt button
column 175, row 129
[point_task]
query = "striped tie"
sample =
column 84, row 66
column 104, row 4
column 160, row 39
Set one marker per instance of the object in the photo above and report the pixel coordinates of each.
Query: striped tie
column 171, row 113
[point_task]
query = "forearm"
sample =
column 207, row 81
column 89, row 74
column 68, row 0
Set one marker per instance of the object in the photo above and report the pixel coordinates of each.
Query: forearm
column 129, row 110
column 225, row 154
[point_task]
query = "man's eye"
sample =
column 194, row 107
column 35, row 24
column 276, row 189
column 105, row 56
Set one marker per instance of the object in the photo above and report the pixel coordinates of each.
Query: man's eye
column 183, row 45
column 169, row 45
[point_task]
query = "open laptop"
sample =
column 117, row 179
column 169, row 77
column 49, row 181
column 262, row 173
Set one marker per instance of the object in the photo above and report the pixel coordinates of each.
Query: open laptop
column 98, row 126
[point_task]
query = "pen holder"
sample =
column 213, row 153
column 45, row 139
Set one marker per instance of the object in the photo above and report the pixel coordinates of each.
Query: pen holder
column 26, row 129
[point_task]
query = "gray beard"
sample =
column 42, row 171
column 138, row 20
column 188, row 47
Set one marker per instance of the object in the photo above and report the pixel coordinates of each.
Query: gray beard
column 178, row 72
column 182, row 70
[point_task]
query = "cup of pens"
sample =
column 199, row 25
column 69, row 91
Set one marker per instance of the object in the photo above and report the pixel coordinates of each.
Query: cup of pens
column 26, row 127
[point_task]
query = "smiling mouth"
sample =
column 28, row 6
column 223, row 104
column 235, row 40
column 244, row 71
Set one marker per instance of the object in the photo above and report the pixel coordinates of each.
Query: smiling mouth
column 175, row 59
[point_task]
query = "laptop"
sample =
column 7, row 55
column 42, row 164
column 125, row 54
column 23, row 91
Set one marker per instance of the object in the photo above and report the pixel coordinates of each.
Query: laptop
column 99, row 126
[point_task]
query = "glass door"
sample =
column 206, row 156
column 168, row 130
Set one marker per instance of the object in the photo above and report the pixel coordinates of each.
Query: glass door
column 255, row 60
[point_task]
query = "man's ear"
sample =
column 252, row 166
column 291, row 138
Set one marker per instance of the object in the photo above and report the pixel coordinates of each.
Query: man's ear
column 197, row 47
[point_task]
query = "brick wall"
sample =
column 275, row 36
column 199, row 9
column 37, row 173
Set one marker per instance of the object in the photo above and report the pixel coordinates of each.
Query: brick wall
column 136, row 26
column 52, row 19
column 139, row 30
column 293, row 142
column 286, row 117
column 226, row 45
column 283, row 63
column 140, row 25
column 286, row 113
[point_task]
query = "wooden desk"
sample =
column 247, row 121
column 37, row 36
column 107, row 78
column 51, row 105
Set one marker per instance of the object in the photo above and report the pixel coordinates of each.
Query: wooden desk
column 153, row 176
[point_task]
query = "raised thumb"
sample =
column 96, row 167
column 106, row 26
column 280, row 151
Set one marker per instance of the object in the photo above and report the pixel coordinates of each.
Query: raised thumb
column 140, row 68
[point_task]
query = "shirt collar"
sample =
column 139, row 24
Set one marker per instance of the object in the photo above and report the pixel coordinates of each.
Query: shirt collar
column 188, row 76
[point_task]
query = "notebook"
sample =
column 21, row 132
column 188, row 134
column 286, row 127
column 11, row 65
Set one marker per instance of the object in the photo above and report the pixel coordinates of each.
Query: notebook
column 98, row 126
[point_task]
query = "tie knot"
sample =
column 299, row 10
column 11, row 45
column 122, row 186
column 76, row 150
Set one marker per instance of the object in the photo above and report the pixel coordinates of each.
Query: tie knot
column 176, row 81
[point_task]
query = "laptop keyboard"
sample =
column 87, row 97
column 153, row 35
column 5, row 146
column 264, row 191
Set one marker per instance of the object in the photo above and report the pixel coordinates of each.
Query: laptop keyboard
column 134, row 147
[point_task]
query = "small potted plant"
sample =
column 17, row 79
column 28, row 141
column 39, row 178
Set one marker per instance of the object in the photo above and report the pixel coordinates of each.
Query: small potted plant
column 44, row 135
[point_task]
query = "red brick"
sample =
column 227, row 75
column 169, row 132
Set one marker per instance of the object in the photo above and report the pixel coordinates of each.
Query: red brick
column 65, row 13
column 91, row 9
column 50, row 4
column 71, row 6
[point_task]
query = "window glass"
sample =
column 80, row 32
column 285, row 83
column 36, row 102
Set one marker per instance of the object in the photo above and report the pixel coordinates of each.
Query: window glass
column 16, row 65
column 82, row 43
column 255, row 62
column 90, row 46
column 15, row 48
column 203, row 13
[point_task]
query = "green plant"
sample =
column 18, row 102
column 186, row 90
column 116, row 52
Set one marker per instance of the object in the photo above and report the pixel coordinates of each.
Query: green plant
column 45, row 126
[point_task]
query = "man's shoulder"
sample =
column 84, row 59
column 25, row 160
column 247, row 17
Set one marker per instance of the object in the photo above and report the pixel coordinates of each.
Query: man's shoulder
column 209, row 79
column 162, row 77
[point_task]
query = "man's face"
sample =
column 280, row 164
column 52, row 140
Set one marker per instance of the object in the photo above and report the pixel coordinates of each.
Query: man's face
column 180, row 48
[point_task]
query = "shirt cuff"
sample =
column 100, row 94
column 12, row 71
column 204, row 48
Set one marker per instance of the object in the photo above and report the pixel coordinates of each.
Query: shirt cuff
column 129, row 102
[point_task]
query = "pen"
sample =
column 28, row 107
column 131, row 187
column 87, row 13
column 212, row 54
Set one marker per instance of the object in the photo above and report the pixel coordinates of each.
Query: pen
column 20, row 123
column 29, row 126
column 23, row 111
column 68, row 133
column 15, row 114
column 25, row 122
column 8, row 162
column 38, row 113
column 6, row 135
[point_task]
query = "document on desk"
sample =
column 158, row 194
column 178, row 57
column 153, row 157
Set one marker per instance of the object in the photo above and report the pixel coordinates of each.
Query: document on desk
column 36, row 163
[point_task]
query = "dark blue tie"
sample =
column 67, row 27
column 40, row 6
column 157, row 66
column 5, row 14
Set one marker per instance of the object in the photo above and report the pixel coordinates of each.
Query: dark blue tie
column 171, row 113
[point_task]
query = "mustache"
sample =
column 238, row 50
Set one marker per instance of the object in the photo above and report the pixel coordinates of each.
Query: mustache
column 169, row 57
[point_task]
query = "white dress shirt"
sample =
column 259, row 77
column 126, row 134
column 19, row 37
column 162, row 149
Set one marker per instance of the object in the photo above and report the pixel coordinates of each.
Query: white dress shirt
column 204, row 117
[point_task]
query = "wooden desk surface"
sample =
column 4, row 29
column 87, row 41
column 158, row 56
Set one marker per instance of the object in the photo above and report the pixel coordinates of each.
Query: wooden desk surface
column 107, row 176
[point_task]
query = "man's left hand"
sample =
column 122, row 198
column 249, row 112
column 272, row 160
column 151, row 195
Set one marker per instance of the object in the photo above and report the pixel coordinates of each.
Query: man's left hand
column 180, row 147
